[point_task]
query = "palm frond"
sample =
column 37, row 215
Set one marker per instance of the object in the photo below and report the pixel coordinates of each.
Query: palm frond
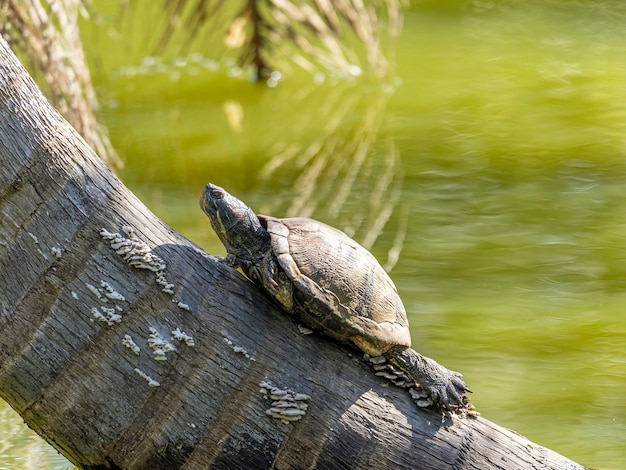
column 266, row 35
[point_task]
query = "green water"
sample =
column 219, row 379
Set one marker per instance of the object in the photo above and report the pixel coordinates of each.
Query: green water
column 490, row 175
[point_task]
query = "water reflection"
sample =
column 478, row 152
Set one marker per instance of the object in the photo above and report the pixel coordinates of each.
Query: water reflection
column 351, row 180
column 21, row 448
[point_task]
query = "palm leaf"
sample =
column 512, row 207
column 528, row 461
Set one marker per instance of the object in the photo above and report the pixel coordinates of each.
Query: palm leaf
column 341, row 36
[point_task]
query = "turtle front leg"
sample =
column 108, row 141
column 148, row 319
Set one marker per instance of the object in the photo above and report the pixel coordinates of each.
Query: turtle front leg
column 276, row 282
column 446, row 387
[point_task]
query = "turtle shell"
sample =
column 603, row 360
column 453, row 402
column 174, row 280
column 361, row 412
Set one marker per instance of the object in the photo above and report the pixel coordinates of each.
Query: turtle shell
column 339, row 288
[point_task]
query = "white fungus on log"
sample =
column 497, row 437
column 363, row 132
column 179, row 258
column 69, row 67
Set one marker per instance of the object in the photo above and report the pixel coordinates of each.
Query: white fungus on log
column 150, row 380
column 94, row 290
column 181, row 305
column 238, row 349
column 97, row 314
column 159, row 355
column 138, row 254
column 106, row 315
column 130, row 344
column 183, row 337
column 304, row 330
column 420, row 397
column 287, row 405
column 159, row 345
column 388, row 371
column 110, row 292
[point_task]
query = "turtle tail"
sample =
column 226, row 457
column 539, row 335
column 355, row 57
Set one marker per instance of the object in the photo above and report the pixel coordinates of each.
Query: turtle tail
column 445, row 387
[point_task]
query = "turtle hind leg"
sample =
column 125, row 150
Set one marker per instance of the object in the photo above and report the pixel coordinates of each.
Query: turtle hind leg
column 445, row 387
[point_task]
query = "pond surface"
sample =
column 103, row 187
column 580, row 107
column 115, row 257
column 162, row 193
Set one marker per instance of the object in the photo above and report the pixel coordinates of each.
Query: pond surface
column 488, row 175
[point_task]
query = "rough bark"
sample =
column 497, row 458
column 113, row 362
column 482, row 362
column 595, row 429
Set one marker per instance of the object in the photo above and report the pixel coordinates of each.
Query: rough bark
column 74, row 382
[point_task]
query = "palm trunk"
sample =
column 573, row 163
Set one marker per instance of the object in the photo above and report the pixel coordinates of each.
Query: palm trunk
column 86, row 317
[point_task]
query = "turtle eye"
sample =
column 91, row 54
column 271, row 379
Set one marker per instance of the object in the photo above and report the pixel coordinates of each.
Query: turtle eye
column 217, row 194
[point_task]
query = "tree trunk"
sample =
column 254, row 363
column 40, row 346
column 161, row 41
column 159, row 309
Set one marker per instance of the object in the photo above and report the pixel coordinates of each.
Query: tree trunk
column 50, row 38
column 132, row 348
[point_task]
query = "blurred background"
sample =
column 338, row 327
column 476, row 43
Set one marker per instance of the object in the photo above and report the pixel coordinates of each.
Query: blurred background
column 478, row 150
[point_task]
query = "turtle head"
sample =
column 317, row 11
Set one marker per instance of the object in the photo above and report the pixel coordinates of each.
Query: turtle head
column 236, row 225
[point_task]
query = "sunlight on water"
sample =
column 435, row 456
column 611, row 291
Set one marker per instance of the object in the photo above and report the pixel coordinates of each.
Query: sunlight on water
column 489, row 174
column 22, row 449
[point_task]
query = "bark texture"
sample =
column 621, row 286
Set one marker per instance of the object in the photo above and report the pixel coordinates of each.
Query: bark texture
column 71, row 299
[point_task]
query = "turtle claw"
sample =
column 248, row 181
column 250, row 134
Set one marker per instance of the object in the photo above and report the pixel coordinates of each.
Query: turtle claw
column 451, row 399
column 450, row 391
column 276, row 284
column 445, row 387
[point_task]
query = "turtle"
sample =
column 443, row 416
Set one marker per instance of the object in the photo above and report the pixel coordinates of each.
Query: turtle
column 329, row 283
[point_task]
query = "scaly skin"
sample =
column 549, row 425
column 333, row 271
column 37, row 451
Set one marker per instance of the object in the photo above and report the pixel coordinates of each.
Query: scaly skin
column 445, row 386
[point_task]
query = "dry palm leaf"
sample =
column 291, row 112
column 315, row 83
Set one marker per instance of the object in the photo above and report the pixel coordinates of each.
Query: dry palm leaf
column 270, row 34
